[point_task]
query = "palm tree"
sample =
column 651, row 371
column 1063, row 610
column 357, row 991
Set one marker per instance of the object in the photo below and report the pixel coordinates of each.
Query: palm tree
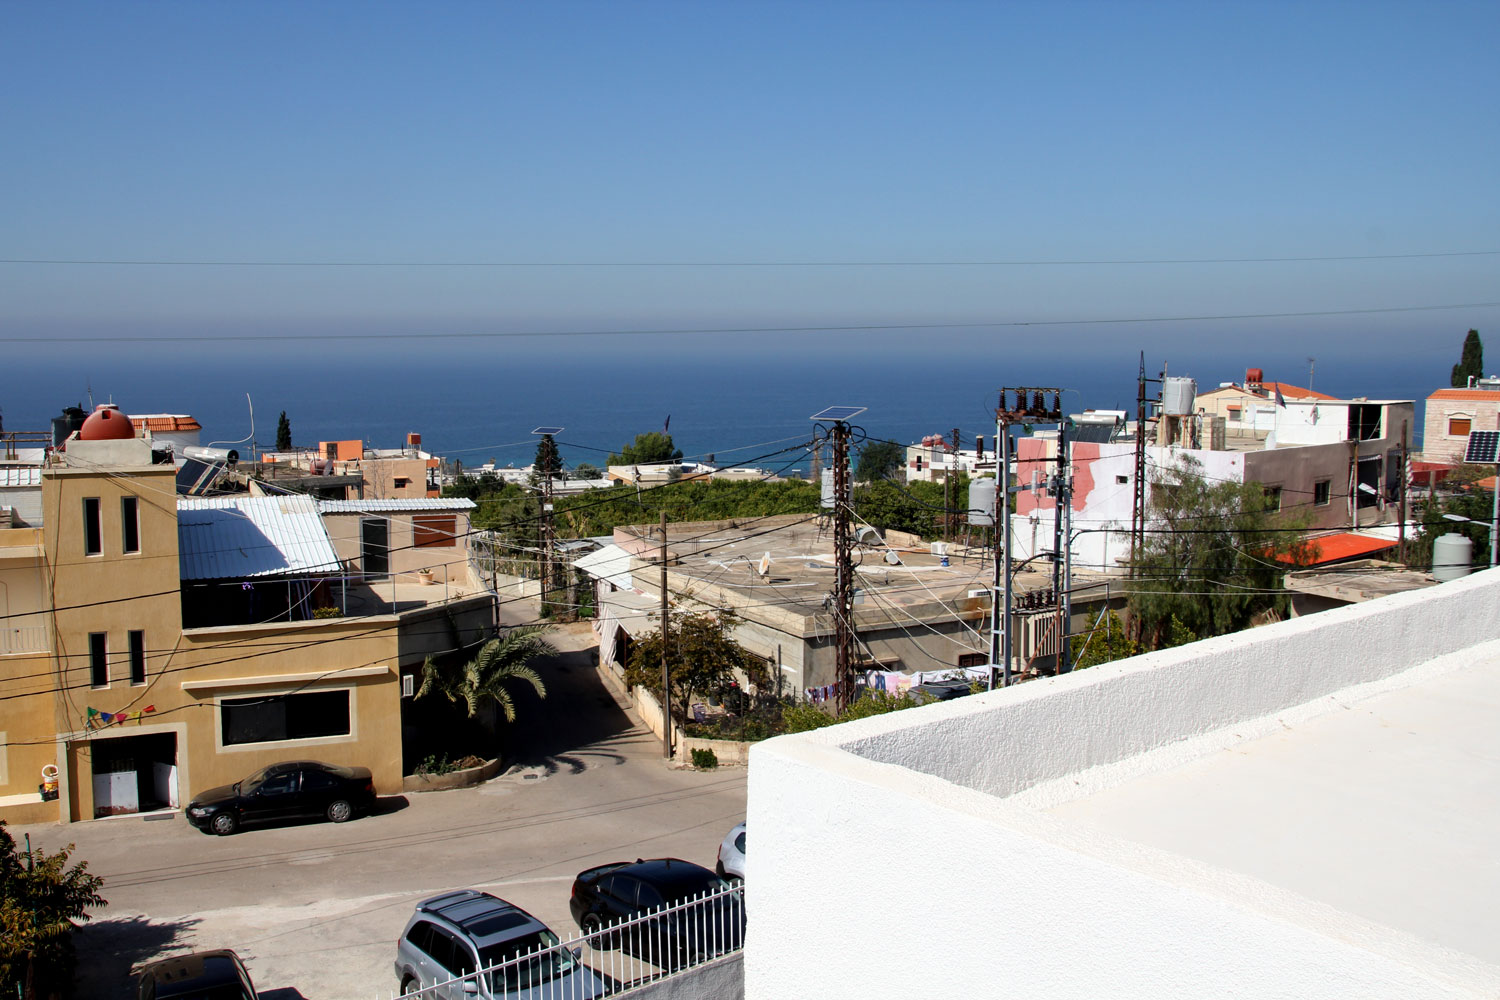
column 499, row 662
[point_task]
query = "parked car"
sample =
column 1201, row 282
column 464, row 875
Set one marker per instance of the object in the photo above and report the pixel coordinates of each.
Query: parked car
column 607, row 895
column 292, row 790
column 206, row 975
column 459, row 933
column 731, row 863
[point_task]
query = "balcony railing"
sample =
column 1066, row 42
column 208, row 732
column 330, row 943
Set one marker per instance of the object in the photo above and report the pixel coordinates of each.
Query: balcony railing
column 615, row 959
column 24, row 639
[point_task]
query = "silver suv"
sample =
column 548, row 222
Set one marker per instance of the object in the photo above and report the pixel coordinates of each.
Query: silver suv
column 501, row 949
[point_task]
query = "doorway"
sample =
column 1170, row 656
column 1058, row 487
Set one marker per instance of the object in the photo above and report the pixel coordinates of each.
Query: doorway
column 134, row 774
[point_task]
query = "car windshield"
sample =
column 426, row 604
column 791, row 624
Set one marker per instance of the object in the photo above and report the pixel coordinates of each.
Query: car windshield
column 543, row 960
column 250, row 784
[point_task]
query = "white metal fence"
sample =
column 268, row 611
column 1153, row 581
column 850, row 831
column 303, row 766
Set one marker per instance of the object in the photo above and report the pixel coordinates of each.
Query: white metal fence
column 614, row 959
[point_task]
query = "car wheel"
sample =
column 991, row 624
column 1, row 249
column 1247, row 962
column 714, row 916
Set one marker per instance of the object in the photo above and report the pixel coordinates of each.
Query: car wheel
column 591, row 930
column 224, row 824
column 339, row 811
column 410, row 987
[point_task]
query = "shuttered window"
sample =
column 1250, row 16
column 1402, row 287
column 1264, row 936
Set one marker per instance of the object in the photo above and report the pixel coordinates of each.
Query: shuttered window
column 434, row 531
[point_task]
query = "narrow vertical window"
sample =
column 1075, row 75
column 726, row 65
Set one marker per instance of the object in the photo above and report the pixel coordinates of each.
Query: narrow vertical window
column 98, row 660
column 130, row 524
column 93, row 527
column 137, row 657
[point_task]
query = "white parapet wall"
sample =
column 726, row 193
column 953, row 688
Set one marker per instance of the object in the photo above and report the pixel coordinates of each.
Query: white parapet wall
column 914, row 854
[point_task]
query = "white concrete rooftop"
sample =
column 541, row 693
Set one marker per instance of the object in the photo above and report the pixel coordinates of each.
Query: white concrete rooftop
column 1385, row 808
column 1307, row 809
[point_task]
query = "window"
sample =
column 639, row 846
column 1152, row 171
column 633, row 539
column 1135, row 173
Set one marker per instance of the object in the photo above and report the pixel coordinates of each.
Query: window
column 401, row 482
column 1460, row 426
column 98, row 660
column 1273, row 497
column 130, row 524
column 1234, row 413
column 93, row 527
column 274, row 718
column 972, row 659
column 434, row 531
column 137, row 657
column 1121, row 480
column 1364, row 421
column 1322, row 493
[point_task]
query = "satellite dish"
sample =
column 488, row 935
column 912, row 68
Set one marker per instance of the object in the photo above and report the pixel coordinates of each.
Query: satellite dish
column 764, row 567
column 892, row 558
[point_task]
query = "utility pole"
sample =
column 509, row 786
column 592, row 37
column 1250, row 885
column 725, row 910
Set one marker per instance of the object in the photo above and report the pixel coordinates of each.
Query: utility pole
column 1030, row 405
column 1401, row 513
column 666, row 687
column 1060, row 541
column 843, row 545
column 546, row 434
column 1138, row 503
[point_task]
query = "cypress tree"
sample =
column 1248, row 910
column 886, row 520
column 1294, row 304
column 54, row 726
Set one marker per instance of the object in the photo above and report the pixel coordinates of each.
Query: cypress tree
column 1472, row 361
column 283, row 433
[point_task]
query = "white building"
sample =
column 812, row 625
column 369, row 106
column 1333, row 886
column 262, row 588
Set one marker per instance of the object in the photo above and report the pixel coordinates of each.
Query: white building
column 1303, row 810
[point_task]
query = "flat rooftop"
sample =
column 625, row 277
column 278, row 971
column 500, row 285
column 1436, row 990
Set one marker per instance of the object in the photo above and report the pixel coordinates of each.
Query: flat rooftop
column 1383, row 808
column 798, row 554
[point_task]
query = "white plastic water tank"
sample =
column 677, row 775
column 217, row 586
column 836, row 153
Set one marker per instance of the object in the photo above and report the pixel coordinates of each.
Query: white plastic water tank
column 982, row 501
column 1177, row 395
column 827, row 494
column 1451, row 557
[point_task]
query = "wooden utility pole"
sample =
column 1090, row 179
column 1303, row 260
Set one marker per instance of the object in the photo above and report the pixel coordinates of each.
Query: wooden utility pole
column 1401, row 548
column 666, row 677
column 843, row 560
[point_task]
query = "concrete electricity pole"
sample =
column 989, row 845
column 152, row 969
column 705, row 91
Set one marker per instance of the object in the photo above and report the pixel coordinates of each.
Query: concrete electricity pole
column 843, row 547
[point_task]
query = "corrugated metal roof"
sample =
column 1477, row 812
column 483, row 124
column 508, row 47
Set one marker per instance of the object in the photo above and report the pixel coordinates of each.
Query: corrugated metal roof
column 20, row 475
column 394, row 505
column 230, row 538
column 610, row 563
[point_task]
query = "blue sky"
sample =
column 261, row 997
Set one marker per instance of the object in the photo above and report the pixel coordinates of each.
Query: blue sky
column 576, row 138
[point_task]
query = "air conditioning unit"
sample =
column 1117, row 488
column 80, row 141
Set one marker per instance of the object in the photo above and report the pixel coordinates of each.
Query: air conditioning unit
column 939, row 548
column 408, row 685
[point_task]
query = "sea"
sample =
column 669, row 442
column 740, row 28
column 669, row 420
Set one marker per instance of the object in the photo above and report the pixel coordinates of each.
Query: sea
column 741, row 407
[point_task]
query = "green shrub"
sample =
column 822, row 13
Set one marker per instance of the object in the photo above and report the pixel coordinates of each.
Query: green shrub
column 705, row 759
column 327, row 613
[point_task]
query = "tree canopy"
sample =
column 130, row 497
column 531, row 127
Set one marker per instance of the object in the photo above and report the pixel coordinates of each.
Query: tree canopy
column 702, row 659
column 283, row 433
column 653, row 446
column 487, row 677
column 879, row 460
column 547, row 461
column 1215, row 555
column 42, row 899
column 1471, row 362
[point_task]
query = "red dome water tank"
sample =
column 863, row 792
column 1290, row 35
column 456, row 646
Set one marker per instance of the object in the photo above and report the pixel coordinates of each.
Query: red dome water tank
column 106, row 423
column 1254, row 376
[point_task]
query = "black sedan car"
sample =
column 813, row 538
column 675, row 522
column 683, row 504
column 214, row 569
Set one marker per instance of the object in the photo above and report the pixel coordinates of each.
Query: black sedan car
column 618, row 892
column 298, row 789
column 207, row 975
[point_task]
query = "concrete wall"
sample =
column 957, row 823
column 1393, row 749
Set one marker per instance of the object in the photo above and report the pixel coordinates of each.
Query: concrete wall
column 929, row 819
column 447, row 563
column 720, row 980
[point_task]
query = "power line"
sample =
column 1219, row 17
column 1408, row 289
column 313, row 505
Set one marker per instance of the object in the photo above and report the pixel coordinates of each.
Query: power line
column 726, row 264
column 739, row 330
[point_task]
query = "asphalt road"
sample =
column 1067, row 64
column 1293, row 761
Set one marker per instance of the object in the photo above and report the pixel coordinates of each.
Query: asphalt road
column 315, row 909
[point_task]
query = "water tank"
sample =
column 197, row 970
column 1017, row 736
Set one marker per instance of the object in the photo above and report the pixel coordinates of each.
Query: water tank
column 1177, row 395
column 1452, row 555
column 828, row 489
column 982, row 501
column 63, row 427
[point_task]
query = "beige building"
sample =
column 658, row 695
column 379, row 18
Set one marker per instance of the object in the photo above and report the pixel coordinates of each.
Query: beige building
column 154, row 646
column 1453, row 413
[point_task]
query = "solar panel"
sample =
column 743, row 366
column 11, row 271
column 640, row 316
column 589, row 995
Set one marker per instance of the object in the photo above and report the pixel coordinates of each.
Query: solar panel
column 838, row 413
column 1484, row 447
column 544, row 429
